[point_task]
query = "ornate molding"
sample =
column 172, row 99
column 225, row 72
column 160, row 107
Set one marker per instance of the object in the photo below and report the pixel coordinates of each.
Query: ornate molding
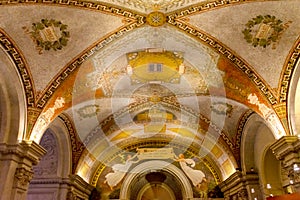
column 97, row 6
column 288, row 71
column 159, row 142
column 77, row 145
column 22, row 178
column 24, row 150
column 226, row 52
column 108, row 124
column 69, row 69
column 205, row 6
column 240, row 127
column 284, row 146
column 15, row 55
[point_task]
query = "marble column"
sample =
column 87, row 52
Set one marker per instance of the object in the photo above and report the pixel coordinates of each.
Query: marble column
column 16, row 161
column 287, row 150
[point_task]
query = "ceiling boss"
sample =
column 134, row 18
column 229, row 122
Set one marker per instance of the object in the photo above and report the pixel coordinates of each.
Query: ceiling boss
column 156, row 19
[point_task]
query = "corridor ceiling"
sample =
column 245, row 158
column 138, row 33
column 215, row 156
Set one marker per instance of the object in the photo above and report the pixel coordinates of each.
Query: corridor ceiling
column 128, row 71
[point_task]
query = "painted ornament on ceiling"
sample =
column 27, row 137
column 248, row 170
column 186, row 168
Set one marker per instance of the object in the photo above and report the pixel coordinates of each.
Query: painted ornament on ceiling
column 264, row 30
column 49, row 34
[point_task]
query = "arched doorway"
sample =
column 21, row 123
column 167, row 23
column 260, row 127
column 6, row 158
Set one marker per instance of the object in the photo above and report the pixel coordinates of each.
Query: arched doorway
column 151, row 178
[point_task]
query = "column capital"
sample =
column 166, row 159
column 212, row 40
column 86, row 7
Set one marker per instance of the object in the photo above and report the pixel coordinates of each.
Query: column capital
column 28, row 151
column 284, row 146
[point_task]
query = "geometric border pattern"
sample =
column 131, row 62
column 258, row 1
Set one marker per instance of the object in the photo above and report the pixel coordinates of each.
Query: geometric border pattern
column 288, row 72
column 205, row 6
column 76, row 144
column 133, row 19
column 16, row 57
column 76, row 64
column 158, row 142
column 226, row 52
column 240, row 129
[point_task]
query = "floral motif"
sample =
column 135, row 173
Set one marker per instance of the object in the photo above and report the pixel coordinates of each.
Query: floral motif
column 264, row 30
column 50, row 34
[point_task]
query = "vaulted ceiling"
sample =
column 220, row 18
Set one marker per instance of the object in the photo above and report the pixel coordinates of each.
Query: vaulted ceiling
column 186, row 72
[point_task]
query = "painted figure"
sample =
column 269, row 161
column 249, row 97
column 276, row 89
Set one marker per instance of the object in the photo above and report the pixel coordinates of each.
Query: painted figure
column 196, row 176
column 119, row 171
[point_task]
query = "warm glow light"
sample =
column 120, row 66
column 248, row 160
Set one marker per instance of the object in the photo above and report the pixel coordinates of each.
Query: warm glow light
column 181, row 69
column 296, row 167
column 252, row 190
column 269, row 186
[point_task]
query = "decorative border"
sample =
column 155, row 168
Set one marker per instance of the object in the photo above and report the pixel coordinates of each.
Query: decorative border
column 228, row 53
column 9, row 47
column 288, row 72
column 126, row 146
column 106, row 8
column 76, row 144
column 134, row 20
column 240, row 127
column 58, row 80
column 205, row 6
column 167, row 102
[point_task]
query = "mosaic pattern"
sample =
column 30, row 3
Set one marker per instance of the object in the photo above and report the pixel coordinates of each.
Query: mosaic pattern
column 81, row 59
column 9, row 48
column 217, row 46
column 128, row 147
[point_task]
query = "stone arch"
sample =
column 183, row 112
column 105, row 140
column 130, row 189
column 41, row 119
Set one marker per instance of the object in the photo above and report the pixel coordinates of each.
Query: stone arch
column 155, row 165
column 51, row 173
column 12, row 102
column 256, row 154
column 293, row 106
column 271, row 175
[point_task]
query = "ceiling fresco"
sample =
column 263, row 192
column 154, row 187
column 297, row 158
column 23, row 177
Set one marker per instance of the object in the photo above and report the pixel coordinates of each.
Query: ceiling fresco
column 130, row 74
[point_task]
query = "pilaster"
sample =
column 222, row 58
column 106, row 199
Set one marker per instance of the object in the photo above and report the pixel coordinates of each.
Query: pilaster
column 286, row 149
column 16, row 161
column 241, row 186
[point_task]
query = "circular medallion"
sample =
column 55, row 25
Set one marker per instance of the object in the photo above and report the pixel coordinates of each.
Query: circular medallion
column 156, row 19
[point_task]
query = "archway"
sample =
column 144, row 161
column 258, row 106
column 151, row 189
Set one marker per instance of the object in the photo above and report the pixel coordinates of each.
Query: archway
column 257, row 156
column 180, row 180
column 50, row 180
column 292, row 104
column 12, row 102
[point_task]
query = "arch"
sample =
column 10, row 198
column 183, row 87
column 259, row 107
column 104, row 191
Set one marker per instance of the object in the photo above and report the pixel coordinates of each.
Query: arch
column 256, row 155
column 293, row 106
column 51, row 173
column 256, row 138
column 12, row 102
column 151, row 166
column 271, row 176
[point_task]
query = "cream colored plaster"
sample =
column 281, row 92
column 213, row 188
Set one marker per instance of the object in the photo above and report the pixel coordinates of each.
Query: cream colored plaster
column 85, row 27
column 227, row 24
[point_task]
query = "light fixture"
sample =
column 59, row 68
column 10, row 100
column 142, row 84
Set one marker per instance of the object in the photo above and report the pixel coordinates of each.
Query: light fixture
column 269, row 186
column 252, row 190
column 296, row 167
